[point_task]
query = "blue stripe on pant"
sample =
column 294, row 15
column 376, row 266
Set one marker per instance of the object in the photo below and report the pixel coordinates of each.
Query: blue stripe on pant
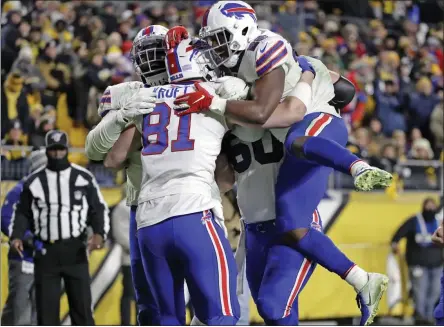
column 146, row 308
column 276, row 274
column 191, row 247
column 301, row 184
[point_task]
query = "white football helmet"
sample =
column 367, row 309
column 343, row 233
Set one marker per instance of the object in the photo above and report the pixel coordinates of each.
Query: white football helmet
column 148, row 55
column 229, row 26
column 190, row 59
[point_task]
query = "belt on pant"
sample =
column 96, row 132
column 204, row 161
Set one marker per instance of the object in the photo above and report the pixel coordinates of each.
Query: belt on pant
column 261, row 227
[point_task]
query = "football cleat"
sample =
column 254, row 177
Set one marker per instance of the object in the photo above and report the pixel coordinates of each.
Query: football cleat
column 370, row 295
column 370, row 178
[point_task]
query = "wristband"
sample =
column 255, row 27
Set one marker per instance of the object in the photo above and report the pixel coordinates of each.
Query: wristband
column 303, row 92
column 218, row 105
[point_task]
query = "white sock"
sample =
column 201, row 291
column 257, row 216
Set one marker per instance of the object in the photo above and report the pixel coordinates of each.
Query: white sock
column 357, row 166
column 196, row 322
column 357, row 277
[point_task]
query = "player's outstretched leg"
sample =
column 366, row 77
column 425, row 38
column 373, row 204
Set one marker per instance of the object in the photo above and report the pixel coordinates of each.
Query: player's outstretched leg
column 327, row 152
column 286, row 274
column 210, row 268
column 301, row 185
column 318, row 247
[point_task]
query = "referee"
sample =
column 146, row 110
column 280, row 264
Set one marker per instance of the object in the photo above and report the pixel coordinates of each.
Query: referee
column 57, row 204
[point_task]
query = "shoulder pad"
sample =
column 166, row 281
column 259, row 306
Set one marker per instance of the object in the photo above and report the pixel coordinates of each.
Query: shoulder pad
column 270, row 53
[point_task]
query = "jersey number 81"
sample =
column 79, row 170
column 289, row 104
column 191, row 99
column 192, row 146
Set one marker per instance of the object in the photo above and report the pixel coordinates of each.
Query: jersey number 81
column 160, row 131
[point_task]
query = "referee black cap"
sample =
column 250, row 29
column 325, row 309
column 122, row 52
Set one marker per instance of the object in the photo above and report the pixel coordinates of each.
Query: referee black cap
column 56, row 139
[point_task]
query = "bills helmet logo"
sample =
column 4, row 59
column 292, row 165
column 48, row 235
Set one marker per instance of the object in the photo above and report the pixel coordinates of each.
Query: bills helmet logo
column 148, row 31
column 238, row 11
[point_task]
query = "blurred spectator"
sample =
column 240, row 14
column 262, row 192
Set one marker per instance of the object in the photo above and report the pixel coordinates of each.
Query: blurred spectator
column 388, row 158
column 20, row 306
column 421, row 104
column 11, row 39
column 120, row 227
column 389, row 108
column 400, row 142
column 64, row 54
column 109, row 18
column 16, row 138
column 421, row 150
column 436, row 123
column 44, row 123
column 15, row 104
column 54, row 72
column 424, row 259
column 376, row 130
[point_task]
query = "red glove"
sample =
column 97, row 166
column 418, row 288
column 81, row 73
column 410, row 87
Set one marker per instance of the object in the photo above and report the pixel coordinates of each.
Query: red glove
column 198, row 101
column 174, row 36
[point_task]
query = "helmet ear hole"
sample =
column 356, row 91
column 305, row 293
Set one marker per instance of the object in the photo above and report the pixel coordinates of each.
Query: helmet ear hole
column 244, row 31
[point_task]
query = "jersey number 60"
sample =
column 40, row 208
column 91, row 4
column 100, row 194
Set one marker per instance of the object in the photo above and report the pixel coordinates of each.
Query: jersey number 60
column 160, row 130
column 241, row 157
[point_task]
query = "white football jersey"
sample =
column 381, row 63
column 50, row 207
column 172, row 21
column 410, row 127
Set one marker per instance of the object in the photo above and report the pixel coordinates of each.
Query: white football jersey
column 322, row 89
column 178, row 159
column 133, row 178
column 322, row 92
column 266, row 53
column 270, row 51
column 256, row 166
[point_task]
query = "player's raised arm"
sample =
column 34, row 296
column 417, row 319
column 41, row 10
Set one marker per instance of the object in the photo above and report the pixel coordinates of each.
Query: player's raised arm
column 265, row 60
column 295, row 105
column 134, row 99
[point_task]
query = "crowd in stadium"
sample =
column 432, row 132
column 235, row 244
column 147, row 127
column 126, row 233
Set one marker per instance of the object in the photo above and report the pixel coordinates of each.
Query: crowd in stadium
column 58, row 57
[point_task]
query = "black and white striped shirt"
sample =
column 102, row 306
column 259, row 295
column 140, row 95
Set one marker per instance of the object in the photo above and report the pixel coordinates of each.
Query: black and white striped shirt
column 58, row 205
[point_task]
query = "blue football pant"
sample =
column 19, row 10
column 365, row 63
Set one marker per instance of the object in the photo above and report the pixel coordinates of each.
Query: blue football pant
column 301, row 184
column 276, row 274
column 146, row 309
column 191, row 247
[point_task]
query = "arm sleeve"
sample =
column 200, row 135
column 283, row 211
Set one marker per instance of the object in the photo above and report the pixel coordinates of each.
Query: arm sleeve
column 268, row 54
column 8, row 209
column 95, row 80
column 98, row 213
column 22, row 215
column 51, row 81
column 102, row 138
column 404, row 230
column 120, row 222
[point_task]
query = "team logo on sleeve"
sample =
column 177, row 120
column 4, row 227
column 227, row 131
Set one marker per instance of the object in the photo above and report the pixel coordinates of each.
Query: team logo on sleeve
column 238, row 11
